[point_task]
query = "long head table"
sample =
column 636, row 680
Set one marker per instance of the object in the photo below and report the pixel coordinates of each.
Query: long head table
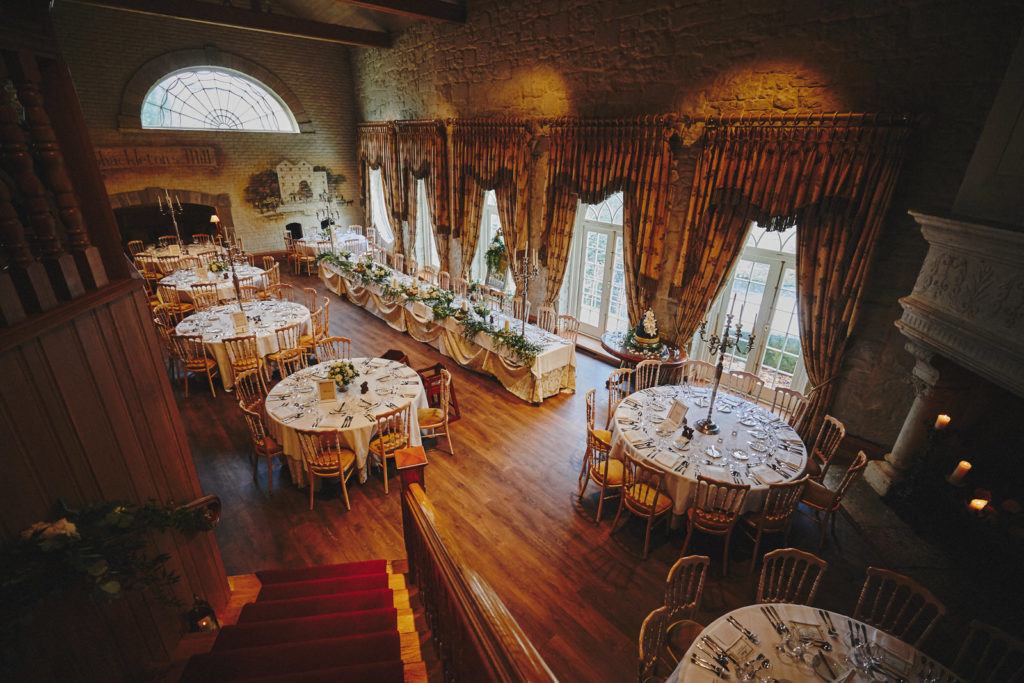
column 552, row 371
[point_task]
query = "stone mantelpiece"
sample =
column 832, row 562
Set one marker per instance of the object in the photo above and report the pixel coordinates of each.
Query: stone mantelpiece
column 967, row 307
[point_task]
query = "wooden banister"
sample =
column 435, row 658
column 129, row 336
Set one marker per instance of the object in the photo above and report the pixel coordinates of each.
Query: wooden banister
column 475, row 635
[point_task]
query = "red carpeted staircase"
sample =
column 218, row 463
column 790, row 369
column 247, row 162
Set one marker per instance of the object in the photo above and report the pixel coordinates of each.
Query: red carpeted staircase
column 343, row 622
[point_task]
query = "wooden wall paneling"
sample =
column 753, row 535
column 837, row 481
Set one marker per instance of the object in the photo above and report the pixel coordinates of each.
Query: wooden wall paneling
column 21, row 490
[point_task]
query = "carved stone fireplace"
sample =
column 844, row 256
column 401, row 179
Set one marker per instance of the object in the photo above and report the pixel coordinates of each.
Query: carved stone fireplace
column 965, row 317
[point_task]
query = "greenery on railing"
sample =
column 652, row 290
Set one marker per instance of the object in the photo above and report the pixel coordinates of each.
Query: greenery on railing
column 495, row 258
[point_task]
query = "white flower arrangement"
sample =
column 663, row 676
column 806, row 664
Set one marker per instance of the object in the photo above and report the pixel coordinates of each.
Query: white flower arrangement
column 217, row 266
column 342, row 372
column 650, row 326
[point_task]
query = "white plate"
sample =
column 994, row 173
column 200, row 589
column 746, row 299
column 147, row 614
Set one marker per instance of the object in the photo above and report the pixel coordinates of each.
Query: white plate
column 713, row 452
column 740, row 454
column 759, row 447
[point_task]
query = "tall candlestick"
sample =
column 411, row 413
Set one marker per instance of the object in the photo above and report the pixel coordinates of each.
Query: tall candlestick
column 742, row 306
column 733, row 307
column 941, row 422
column 957, row 477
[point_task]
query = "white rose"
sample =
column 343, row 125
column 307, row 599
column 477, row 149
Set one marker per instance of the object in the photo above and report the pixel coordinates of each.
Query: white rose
column 61, row 527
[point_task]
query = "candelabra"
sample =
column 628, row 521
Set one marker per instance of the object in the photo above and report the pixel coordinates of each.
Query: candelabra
column 327, row 214
column 721, row 345
column 234, row 253
column 171, row 208
column 522, row 272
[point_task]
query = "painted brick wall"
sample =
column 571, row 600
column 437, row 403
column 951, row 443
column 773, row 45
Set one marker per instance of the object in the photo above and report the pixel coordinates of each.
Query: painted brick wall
column 940, row 58
column 104, row 48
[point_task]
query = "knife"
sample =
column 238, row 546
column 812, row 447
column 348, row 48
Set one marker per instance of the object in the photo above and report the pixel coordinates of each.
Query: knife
column 743, row 629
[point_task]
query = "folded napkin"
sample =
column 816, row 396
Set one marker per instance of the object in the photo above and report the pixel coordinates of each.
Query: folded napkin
column 718, row 473
column 287, row 414
column 634, row 435
column 766, row 474
column 794, row 460
column 666, row 460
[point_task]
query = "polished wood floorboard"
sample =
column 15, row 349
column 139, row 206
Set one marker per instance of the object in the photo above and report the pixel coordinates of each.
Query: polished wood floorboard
column 579, row 592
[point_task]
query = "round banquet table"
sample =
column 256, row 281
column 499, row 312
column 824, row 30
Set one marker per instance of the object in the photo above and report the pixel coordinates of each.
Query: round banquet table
column 293, row 404
column 615, row 344
column 894, row 659
column 215, row 324
column 182, row 280
column 764, row 450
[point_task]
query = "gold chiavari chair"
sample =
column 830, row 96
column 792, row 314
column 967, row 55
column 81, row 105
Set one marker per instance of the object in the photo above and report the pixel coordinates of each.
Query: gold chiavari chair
column 206, row 256
column 327, row 460
column 989, row 655
column 434, row 421
column 239, row 244
column 898, row 605
column 135, row 247
column 392, row 434
column 248, row 292
column 568, row 328
column 371, row 234
column 830, row 435
column 684, row 588
column 824, row 503
column 790, row 575
column 745, row 384
column 291, row 254
column 268, row 262
column 333, row 348
column 150, row 268
column 645, row 375
column 517, row 309
column 204, row 295
column 170, row 296
column 398, row 262
column 166, row 240
column 790, row 405
column 547, row 318
column 428, row 274
column 460, row 286
column 305, row 263
column 697, row 373
column 644, row 495
column 652, row 662
column 189, row 262
column 251, row 390
column 598, row 465
column 243, row 354
column 193, row 356
column 164, row 331
column 444, row 279
column 282, row 292
column 317, row 331
column 309, row 298
column 411, row 268
column 716, row 509
column 496, row 299
column 262, row 446
column 271, row 278
column 289, row 356
column 168, row 264
column 201, row 238
column 618, row 389
column 776, row 515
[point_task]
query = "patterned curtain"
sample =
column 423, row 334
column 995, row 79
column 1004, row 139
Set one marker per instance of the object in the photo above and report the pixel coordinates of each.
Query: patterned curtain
column 831, row 176
column 423, row 153
column 490, row 155
column 590, row 160
column 378, row 150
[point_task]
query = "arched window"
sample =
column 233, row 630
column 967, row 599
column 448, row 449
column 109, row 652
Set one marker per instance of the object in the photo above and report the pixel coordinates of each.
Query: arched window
column 207, row 98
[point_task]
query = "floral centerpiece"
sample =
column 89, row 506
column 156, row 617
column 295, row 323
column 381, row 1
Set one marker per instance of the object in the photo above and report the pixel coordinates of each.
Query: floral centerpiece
column 342, row 372
column 217, row 267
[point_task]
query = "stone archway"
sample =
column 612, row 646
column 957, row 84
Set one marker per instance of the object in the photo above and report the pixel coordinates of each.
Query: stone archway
column 150, row 196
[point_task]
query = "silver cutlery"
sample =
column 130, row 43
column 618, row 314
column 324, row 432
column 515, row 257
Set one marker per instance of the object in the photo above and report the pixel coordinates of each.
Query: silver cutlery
column 827, row 620
column 747, row 633
column 705, row 664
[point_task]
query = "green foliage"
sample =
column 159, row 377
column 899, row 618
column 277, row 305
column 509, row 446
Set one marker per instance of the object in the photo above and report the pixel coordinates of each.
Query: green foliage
column 497, row 263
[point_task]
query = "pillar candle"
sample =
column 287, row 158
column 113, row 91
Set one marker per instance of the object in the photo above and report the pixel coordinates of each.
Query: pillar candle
column 942, row 421
column 506, row 324
column 978, row 504
column 962, row 468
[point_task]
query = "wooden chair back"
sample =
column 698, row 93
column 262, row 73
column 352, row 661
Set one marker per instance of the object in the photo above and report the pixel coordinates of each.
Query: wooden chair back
column 248, row 292
column 444, row 279
column 168, row 264
column 191, row 350
column 309, row 298
column 428, row 274
column 201, row 238
column 206, row 256
column 826, row 444
column 289, row 351
column 165, row 240
column 745, row 384
column 989, row 655
column 136, row 247
column 371, row 235
column 780, row 503
column 568, row 328
column 243, row 352
column 646, row 373
column 272, row 276
column 283, row 292
column 618, row 388
column 646, row 491
column 517, row 309
column 717, row 504
column 333, row 348
column 268, row 262
column 460, row 286
column 652, row 640
column 393, row 429
column 251, row 389
column 790, row 405
column 204, row 295
column 398, row 262
column 697, row 373
column 412, row 268
column 547, row 318
column 685, row 586
column 790, row 575
column 853, row 471
column 898, row 605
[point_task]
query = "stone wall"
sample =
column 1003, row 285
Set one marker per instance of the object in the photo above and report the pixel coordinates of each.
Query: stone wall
column 105, row 49
column 942, row 59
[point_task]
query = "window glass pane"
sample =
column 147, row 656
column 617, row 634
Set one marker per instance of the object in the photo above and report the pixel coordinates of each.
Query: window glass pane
column 208, row 97
column 378, row 211
column 618, row 315
column 609, row 211
column 782, row 242
column 425, row 251
column 490, row 225
column 782, row 351
column 594, row 254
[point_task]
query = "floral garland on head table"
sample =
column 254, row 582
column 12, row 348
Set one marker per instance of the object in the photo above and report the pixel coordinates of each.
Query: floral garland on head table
column 439, row 300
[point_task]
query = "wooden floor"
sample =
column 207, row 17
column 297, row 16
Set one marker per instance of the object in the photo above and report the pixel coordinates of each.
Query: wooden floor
column 579, row 592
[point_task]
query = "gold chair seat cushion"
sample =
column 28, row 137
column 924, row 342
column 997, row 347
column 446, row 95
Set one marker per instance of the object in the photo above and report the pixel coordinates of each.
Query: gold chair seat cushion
column 286, row 354
column 307, row 340
column 333, row 458
column 391, row 442
column 712, row 522
column 679, row 637
column 615, row 472
column 755, row 519
column 604, row 436
column 644, row 495
column 430, row 417
column 201, row 365
column 270, row 446
column 817, row 496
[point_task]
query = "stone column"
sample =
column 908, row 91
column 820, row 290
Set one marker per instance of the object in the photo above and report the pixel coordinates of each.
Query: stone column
column 935, row 392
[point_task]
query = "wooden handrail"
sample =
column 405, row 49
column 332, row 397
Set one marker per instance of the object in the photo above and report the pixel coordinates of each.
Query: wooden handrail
column 475, row 635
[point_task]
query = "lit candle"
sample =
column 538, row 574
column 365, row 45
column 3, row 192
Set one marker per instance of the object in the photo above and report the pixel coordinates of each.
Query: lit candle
column 942, row 421
column 463, row 305
column 962, row 468
column 533, row 256
column 978, row 504
column 506, row 324
column 160, row 202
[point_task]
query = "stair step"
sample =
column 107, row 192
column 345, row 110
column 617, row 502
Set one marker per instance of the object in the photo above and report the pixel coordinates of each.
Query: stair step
column 294, row 658
column 331, row 604
column 306, row 628
column 327, row 571
column 305, row 589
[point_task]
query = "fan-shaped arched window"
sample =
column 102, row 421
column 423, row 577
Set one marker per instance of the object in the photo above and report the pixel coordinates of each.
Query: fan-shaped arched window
column 206, row 98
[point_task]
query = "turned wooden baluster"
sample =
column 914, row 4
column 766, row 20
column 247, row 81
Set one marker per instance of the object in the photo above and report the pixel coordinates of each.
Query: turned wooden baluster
column 59, row 184
column 60, row 266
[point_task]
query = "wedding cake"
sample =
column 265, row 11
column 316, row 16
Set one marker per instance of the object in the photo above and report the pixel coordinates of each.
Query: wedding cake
column 646, row 333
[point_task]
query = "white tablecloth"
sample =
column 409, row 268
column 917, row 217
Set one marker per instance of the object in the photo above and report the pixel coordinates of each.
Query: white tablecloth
column 182, row 280
column 391, row 385
column 756, row 453
column 552, row 371
column 215, row 324
column 899, row 658
column 351, row 242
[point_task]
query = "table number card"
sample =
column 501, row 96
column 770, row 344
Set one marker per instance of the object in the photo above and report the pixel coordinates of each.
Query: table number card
column 202, row 274
column 240, row 321
column 676, row 415
column 174, row 250
column 325, row 387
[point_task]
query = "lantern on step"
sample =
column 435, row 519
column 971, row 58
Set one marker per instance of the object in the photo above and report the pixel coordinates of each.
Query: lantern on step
column 202, row 617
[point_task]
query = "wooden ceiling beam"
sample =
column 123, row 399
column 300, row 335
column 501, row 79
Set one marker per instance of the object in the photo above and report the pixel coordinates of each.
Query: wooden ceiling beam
column 233, row 17
column 435, row 10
